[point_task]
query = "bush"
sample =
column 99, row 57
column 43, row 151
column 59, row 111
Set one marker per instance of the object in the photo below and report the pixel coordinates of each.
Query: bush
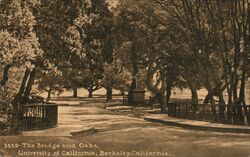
column 5, row 110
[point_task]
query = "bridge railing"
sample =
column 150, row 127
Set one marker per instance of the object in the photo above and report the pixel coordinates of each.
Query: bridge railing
column 228, row 114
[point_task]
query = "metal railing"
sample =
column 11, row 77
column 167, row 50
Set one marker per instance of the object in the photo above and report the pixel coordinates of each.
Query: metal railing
column 39, row 116
column 227, row 114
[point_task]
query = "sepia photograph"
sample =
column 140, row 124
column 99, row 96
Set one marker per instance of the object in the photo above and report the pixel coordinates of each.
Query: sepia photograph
column 124, row 78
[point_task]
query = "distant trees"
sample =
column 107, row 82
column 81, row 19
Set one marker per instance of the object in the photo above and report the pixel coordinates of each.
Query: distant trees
column 59, row 41
column 49, row 81
column 117, row 77
column 91, row 80
column 80, row 38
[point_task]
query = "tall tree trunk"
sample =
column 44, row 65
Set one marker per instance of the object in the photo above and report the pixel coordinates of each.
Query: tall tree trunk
column 75, row 94
column 211, row 92
column 226, row 65
column 163, row 102
column 132, row 87
column 207, row 98
column 230, row 97
column 213, row 107
column 30, row 83
column 235, row 87
column 164, row 95
column 194, row 96
column 243, row 82
column 221, row 105
column 17, row 115
column 90, row 93
column 109, row 92
column 168, row 90
column 161, row 92
column 194, row 93
column 242, row 89
column 236, row 59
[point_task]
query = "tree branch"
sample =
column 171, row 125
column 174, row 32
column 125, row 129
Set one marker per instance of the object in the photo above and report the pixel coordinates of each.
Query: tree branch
column 5, row 75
